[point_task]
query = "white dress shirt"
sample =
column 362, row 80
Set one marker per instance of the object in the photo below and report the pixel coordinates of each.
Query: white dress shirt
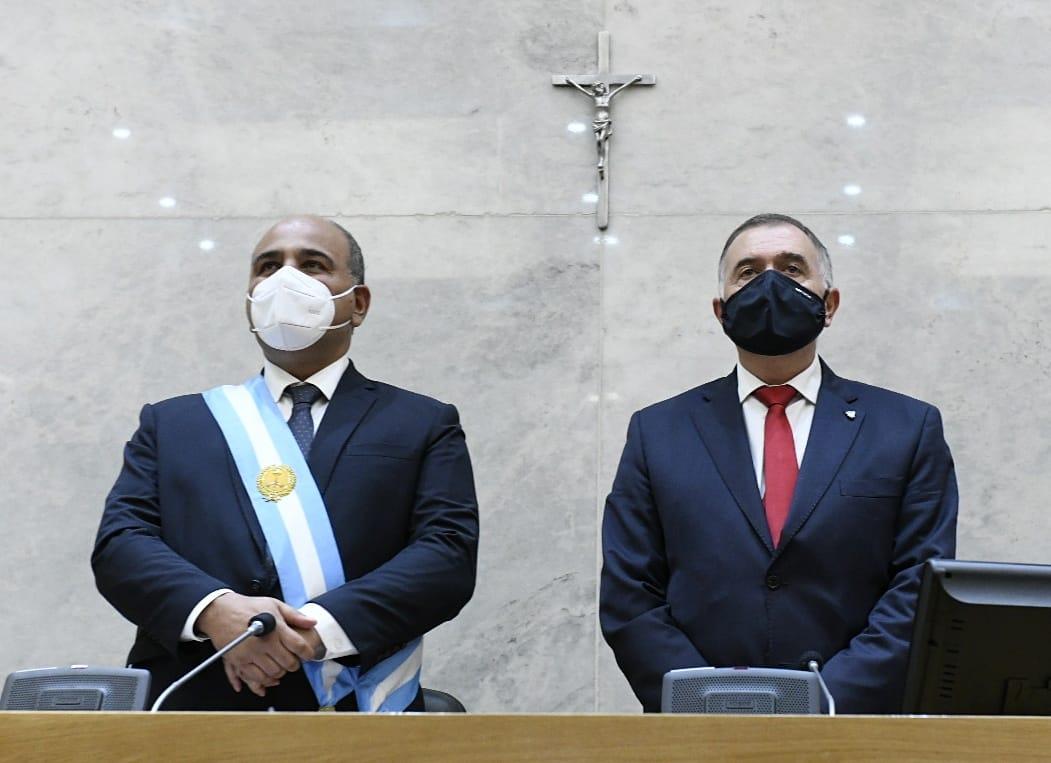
column 800, row 412
column 335, row 639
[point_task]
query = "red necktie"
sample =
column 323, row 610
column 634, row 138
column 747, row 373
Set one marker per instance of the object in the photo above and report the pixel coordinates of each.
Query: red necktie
column 780, row 468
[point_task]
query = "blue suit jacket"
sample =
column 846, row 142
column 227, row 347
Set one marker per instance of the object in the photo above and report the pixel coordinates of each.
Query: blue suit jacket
column 394, row 471
column 690, row 576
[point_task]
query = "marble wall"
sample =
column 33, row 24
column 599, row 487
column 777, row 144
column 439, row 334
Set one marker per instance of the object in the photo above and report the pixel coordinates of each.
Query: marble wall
column 145, row 145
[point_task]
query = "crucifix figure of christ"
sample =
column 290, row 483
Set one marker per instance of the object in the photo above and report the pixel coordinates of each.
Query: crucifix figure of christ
column 600, row 88
column 602, row 125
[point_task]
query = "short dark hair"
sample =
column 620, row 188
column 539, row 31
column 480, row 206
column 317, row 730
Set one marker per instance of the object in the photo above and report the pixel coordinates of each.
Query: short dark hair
column 355, row 259
column 772, row 218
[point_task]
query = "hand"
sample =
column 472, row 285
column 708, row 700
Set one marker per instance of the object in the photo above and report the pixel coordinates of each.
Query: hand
column 237, row 682
column 313, row 639
column 259, row 662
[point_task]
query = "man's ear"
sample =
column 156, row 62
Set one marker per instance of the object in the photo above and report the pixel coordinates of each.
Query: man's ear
column 362, row 297
column 717, row 308
column 831, row 305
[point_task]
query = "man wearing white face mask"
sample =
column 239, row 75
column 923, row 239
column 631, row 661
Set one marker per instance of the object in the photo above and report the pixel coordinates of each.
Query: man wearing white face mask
column 343, row 506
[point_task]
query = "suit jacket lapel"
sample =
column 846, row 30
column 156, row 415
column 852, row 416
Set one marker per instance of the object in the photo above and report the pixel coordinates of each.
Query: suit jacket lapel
column 353, row 398
column 832, row 434
column 244, row 503
column 720, row 422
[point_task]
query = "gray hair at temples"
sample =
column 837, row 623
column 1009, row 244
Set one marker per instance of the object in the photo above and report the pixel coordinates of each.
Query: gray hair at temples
column 770, row 218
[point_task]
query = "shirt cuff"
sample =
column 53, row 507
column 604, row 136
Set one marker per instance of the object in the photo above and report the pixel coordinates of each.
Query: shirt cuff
column 188, row 632
column 333, row 637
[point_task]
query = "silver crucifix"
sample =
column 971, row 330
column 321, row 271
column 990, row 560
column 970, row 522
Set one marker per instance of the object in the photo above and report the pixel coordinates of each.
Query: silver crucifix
column 600, row 88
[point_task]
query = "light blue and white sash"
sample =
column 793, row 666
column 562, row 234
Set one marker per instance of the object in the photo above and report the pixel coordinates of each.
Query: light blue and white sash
column 299, row 535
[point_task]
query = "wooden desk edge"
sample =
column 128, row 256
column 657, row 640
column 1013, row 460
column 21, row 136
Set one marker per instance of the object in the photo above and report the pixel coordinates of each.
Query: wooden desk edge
column 485, row 737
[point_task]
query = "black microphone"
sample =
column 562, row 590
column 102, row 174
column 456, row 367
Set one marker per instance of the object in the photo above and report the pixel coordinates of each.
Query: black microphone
column 813, row 661
column 266, row 620
column 260, row 625
column 807, row 657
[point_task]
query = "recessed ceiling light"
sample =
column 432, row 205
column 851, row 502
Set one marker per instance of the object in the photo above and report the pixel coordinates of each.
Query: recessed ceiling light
column 589, row 198
column 576, row 127
column 121, row 133
column 852, row 189
column 166, row 201
column 206, row 244
column 856, row 120
column 846, row 240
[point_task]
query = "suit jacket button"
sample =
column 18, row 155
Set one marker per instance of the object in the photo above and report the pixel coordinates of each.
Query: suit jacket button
column 773, row 582
column 255, row 586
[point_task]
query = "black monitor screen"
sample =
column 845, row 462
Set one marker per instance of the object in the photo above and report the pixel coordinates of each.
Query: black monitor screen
column 981, row 643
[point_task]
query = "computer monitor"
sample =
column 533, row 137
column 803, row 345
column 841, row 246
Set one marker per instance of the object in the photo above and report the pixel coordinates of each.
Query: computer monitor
column 981, row 642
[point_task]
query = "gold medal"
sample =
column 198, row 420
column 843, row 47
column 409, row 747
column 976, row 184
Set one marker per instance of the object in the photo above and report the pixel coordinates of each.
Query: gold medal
column 275, row 482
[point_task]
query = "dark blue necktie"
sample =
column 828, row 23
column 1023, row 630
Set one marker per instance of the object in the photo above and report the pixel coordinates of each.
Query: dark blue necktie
column 302, row 423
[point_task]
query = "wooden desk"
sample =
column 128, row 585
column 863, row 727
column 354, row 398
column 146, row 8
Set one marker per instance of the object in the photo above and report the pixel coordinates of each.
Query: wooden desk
column 328, row 736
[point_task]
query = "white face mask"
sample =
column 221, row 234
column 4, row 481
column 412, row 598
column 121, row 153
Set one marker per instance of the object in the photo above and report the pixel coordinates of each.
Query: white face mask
column 291, row 311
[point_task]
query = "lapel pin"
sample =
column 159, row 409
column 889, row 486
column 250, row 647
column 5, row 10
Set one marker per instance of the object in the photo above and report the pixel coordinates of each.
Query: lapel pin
column 851, row 414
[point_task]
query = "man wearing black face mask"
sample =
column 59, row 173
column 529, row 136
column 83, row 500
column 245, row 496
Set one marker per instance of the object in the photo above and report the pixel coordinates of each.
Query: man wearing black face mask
column 779, row 510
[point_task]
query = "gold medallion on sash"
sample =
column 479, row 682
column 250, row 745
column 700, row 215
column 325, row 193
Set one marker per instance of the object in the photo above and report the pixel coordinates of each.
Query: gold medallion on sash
column 276, row 482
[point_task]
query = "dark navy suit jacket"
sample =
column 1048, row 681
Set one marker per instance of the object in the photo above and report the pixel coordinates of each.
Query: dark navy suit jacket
column 396, row 478
column 690, row 576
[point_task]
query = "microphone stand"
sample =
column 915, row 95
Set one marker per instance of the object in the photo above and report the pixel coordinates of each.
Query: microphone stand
column 814, row 668
column 260, row 625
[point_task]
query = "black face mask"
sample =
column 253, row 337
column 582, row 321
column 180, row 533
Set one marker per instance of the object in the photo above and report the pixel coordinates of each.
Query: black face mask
column 773, row 315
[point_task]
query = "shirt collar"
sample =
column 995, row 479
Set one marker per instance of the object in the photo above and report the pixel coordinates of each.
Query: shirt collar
column 326, row 380
column 807, row 382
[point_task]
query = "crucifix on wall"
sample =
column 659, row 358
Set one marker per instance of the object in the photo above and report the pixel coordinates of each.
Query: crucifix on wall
column 600, row 89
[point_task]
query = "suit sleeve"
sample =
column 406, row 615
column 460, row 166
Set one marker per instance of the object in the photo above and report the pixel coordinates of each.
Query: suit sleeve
column 432, row 578
column 869, row 675
column 135, row 570
column 634, row 613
